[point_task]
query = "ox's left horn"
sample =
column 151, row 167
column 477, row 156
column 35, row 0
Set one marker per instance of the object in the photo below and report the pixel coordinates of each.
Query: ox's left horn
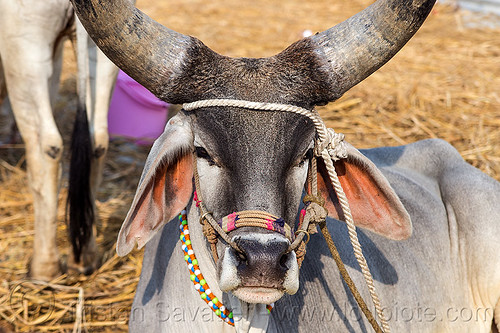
column 146, row 50
column 363, row 43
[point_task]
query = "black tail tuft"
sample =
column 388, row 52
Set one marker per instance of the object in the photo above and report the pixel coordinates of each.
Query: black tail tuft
column 79, row 205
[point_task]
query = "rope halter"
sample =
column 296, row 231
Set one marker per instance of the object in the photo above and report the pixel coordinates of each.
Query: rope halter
column 330, row 146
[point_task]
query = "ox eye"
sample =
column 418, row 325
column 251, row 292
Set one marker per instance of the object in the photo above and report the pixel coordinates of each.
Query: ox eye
column 307, row 156
column 202, row 153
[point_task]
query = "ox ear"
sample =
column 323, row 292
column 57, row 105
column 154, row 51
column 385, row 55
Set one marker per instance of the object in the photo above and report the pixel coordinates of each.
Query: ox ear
column 165, row 187
column 374, row 204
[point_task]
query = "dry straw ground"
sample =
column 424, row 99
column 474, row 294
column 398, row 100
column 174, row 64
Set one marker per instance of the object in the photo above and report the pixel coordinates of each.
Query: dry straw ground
column 444, row 84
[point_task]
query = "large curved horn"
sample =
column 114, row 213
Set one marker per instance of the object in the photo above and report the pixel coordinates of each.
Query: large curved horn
column 363, row 43
column 134, row 42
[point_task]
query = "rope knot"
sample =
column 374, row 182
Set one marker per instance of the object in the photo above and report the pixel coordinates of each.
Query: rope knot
column 308, row 198
column 315, row 211
column 317, row 214
column 331, row 142
column 336, row 147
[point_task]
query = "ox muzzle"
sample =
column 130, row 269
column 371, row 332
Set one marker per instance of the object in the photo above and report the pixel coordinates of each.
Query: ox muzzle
column 258, row 265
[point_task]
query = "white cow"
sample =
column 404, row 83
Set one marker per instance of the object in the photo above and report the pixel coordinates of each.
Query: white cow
column 31, row 45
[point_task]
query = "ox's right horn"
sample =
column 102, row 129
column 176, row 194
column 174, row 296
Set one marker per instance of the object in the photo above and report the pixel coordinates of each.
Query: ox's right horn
column 146, row 50
column 363, row 43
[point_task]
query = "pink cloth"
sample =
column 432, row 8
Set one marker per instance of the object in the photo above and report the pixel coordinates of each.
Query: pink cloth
column 135, row 112
column 231, row 225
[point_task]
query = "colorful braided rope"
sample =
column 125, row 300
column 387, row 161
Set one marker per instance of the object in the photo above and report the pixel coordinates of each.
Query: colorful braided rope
column 200, row 284
column 255, row 218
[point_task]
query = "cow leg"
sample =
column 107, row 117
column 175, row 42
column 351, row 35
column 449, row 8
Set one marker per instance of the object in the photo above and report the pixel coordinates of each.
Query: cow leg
column 102, row 79
column 29, row 86
column 32, row 62
column 102, row 84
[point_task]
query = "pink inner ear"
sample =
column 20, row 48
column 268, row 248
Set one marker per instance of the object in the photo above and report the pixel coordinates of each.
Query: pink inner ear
column 165, row 196
column 373, row 205
column 178, row 188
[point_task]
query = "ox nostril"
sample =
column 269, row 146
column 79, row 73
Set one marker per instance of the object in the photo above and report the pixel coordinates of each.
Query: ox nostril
column 284, row 259
column 240, row 253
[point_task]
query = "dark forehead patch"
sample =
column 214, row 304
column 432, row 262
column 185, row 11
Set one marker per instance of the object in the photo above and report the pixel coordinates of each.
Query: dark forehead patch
column 299, row 75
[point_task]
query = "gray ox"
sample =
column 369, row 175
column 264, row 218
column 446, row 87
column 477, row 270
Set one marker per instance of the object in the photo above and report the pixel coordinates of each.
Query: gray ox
column 31, row 44
column 430, row 222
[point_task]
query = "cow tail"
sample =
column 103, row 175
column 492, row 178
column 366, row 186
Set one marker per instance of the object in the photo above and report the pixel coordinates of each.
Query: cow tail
column 80, row 205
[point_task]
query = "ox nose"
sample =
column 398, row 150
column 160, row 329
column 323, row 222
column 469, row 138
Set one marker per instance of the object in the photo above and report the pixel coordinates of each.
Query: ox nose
column 263, row 264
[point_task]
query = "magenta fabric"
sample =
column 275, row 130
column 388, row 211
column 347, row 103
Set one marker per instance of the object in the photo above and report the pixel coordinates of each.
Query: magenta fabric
column 134, row 112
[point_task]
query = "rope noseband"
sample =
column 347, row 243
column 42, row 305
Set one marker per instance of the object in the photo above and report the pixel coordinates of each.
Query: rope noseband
column 255, row 218
column 329, row 146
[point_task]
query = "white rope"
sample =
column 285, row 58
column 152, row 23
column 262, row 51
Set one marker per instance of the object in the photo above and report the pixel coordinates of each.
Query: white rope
column 331, row 147
column 353, row 236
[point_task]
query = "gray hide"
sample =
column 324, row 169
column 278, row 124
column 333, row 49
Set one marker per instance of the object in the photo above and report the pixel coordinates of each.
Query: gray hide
column 430, row 276
column 32, row 33
column 444, row 278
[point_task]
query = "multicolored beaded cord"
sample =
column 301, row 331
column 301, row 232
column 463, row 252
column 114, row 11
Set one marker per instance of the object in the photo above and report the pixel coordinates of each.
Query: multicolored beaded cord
column 200, row 284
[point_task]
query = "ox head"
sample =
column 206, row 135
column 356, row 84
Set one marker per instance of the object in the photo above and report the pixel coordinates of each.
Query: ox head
column 249, row 159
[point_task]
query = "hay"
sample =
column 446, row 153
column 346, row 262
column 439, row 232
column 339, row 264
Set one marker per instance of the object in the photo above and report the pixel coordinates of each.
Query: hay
column 443, row 84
